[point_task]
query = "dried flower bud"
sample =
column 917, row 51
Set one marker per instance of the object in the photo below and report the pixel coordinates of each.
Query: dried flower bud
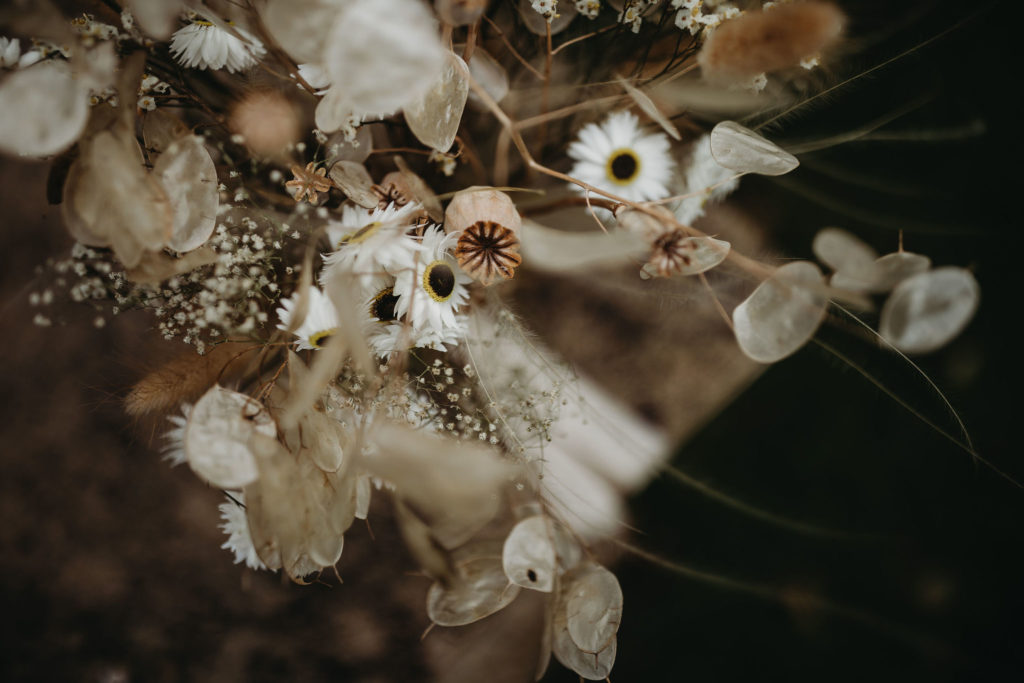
column 762, row 42
column 488, row 248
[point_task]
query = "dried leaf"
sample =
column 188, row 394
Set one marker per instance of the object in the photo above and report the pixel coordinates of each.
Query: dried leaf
column 674, row 254
column 883, row 274
column 455, row 486
column 43, row 109
column 434, row 117
column 354, row 180
column 741, row 149
column 782, row 314
column 558, row 250
column 478, row 588
column 218, row 435
column 648, row 107
column 528, row 556
column 422, row 545
column 926, row 311
column 189, row 178
column 593, row 602
column 156, row 266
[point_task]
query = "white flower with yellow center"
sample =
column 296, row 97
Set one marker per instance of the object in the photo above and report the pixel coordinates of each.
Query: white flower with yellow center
column 371, row 243
column 386, row 333
column 320, row 323
column 430, row 295
column 615, row 156
column 203, row 45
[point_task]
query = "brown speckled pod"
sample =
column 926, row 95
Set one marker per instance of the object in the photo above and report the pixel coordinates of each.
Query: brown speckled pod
column 488, row 247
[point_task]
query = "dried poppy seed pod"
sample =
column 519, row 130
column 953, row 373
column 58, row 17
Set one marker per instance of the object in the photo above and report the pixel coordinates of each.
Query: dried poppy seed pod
column 488, row 248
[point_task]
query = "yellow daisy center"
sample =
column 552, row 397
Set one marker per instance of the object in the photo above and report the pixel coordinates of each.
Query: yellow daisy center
column 439, row 281
column 623, row 166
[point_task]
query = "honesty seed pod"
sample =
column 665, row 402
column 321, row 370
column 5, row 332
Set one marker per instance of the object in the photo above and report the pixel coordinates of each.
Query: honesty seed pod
column 488, row 247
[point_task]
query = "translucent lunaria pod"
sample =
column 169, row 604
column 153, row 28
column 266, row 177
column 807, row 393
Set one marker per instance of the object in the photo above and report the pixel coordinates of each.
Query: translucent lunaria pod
column 217, row 437
column 741, row 149
column 434, row 117
column 528, row 556
column 926, row 311
column 782, row 314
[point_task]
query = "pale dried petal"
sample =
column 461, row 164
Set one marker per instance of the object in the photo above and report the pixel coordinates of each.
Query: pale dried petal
column 741, row 149
column 882, row 275
column 782, row 314
column 528, row 556
column 364, row 491
column 43, row 109
column 557, row 250
column 841, row 251
column 434, row 117
column 218, row 435
column 926, row 311
column 354, row 180
column 189, row 178
column 593, row 602
column 478, row 589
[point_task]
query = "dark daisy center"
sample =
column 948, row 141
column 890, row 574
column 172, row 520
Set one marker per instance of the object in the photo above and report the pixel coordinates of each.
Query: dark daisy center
column 439, row 280
column 383, row 306
column 623, row 166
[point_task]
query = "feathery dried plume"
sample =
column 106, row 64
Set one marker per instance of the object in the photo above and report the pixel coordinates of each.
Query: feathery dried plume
column 771, row 40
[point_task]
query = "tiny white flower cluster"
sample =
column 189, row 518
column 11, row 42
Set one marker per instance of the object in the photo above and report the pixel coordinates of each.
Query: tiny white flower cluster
column 695, row 15
column 633, row 13
column 588, row 8
column 148, row 89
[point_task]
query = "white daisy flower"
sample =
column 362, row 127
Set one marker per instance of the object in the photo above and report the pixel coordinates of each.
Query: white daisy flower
column 386, row 333
column 203, row 45
column 371, row 242
column 236, row 526
column 431, row 294
column 320, row 323
column 617, row 157
column 174, row 449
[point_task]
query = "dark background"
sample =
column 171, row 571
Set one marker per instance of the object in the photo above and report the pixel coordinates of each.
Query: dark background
column 109, row 560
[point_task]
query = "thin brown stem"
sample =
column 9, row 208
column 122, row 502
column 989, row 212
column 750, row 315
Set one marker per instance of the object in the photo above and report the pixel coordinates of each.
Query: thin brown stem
column 580, row 39
column 515, row 53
